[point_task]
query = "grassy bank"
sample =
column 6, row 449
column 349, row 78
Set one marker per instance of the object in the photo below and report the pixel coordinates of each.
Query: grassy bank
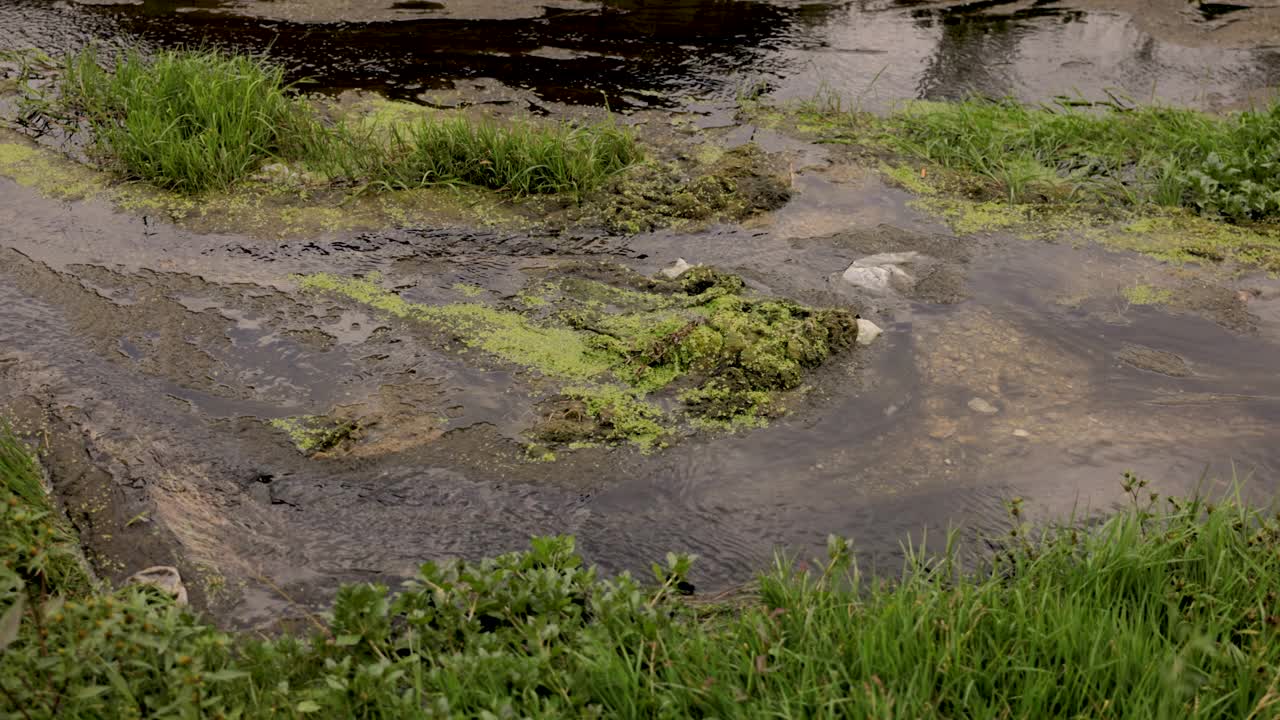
column 1217, row 165
column 196, row 120
column 1176, row 184
column 1158, row 613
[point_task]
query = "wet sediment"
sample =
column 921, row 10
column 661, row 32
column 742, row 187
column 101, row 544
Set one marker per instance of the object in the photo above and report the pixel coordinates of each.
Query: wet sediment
column 168, row 364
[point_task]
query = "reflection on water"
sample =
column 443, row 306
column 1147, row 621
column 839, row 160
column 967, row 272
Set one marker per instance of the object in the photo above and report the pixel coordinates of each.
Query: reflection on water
column 640, row 53
column 1033, row 53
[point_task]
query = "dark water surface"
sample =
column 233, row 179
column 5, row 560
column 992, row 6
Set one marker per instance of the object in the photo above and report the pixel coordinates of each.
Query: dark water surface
column 641, row 53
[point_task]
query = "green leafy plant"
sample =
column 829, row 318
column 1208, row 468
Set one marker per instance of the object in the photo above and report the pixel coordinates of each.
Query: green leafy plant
column 1169, row 609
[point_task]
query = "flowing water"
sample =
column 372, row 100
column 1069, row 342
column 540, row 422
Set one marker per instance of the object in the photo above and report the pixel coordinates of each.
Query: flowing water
column 154, row 355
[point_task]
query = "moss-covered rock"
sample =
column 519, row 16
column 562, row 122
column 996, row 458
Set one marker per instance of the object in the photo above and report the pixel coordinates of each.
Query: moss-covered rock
column 312, row 434
column 622, row 345
column 735, row 185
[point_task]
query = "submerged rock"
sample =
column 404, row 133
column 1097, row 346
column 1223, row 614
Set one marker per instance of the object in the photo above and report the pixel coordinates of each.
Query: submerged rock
column 675, row 269
column 164, row 577
column 1157, row 361
column 867, row 332
column 979, row 405
column 630, row 357
column 881, row 272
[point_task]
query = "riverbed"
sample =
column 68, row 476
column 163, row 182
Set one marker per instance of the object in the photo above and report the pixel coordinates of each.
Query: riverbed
column 151, row 355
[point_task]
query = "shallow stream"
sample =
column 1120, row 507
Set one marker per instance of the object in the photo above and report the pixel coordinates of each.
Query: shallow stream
column 153, row 355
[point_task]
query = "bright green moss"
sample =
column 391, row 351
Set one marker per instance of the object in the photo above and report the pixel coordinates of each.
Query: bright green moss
column 726, row 355
column 553, row 351
column 47, row 173
column 621, row 414
column 315, row 433
column 1147, row 295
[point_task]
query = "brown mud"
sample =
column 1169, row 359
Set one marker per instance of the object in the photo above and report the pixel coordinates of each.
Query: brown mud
column 149, row 358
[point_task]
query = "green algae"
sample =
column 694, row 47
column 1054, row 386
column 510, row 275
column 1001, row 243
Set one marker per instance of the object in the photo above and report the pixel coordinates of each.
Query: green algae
column 468, row 290
column 909, row 178
column 719, row 185
column 48, row 173
column 1180, row 236
column 696, row 340
column 1143, row 294
column 605, row 413
column 553, row 351
column 967, row 217
column 312, row 434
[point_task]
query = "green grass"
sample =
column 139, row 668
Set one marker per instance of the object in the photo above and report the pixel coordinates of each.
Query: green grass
column 36, row 542
column 520, row 158
column 1217, row 165
column 187, row 121
column 1167, row 610
column 193, row 121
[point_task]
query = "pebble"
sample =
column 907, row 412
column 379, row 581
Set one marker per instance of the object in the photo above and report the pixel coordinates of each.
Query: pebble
column 1021, row 433
column 867, row 332
column 942, row 429
column 979, row 405
column 878, row 273
column 676, row 269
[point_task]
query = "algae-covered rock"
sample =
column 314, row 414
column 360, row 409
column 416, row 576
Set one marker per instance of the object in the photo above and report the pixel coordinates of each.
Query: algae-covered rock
column 311, row 434
column 608, row 413
column 634, row 357
column 738, row 184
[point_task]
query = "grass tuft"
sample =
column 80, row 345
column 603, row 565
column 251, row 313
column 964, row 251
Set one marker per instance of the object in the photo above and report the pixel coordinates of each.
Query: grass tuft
column 186, row 120
column 519, row 158
column 193, row 121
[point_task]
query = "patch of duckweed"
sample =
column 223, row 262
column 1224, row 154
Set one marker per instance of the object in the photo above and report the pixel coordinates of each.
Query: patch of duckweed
column 468, row 290
column 604, row 413
column 47, row 173
column 696, row 340
column 539, row 453
column 554, row 351
column 1144, row 294
column 909, row 178
column 311, row 434
column 1180, row 236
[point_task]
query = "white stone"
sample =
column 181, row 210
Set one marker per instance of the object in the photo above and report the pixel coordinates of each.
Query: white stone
column 165, row 577
column 1021, row 433
column 676, row 269
column 878, row 273
column 979, row 405
column 867, row 331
